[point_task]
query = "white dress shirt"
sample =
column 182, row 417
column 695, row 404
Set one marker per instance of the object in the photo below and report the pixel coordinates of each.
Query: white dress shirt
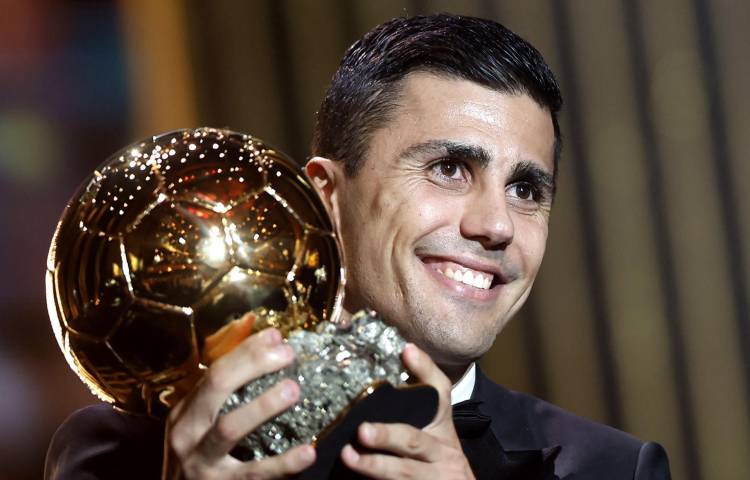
column 463, row 389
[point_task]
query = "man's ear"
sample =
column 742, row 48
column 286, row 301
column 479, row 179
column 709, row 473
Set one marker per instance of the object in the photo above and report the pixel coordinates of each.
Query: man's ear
column 327, row 177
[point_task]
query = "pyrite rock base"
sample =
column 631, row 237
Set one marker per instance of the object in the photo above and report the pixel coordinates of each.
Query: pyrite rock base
column 415, row 405
column 334, row 367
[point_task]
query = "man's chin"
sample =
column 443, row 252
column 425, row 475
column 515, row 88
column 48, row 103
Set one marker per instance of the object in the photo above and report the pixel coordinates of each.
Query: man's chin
column 454, row 353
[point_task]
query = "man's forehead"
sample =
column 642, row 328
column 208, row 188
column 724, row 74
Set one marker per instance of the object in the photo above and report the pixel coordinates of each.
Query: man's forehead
column 460, row 100
column 431, row 90
column 437, row 113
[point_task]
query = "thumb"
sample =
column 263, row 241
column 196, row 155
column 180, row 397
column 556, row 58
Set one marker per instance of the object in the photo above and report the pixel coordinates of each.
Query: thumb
column 426, row 371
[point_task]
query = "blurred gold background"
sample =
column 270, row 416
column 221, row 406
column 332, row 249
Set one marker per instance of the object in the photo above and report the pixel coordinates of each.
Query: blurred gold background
column 641, row 315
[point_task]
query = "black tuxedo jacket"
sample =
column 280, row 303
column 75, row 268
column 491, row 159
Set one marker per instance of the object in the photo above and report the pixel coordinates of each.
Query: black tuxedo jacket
column 588, row 450
column 98, row 442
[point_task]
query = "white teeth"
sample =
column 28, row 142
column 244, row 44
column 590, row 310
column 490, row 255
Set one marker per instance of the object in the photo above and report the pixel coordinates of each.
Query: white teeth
column 476, row 280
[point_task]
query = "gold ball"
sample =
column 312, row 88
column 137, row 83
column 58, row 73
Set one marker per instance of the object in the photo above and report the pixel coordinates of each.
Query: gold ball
column 170, row 240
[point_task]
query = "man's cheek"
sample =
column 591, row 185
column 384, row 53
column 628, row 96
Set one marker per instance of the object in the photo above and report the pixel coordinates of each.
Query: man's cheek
column 531, row 238
column 429, row 210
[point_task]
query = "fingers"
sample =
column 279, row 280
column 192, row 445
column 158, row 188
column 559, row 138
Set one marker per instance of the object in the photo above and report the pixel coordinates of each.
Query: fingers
column 255, row 356
column 401, row 439
column 445, row 462
column 426, row 371
column 385, row 467
column 227, row 338
column 288, row 463
column 422, row 366
column 215, row 345
column 231, row 427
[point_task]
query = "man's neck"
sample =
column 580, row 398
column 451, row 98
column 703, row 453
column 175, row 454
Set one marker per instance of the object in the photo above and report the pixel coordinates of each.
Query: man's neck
column 455, row 372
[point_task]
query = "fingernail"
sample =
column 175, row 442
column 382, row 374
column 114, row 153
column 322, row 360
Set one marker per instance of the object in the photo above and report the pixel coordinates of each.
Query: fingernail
column 283, row 351
column 307, row 453
column 272, row 336
column 279, row 353
column 366, row 431
column 351, row 453
column 289, row 391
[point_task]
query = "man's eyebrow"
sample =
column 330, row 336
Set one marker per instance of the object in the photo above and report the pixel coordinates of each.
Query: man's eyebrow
column 450, row 149
column 530, row 171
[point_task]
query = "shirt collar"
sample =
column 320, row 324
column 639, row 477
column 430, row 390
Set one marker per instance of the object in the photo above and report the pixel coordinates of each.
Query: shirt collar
column 463, row 389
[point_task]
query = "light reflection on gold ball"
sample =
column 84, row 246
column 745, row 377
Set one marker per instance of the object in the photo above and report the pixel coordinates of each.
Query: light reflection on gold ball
column 171, row 239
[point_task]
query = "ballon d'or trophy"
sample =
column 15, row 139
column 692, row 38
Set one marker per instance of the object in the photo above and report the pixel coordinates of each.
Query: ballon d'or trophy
column 170, row 242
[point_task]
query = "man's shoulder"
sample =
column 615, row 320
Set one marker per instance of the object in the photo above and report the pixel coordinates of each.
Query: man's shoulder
column 561, row 426
column 537, row 423
column 555, row 422
column 588, row 448
column 100, row 442
column 102, row 421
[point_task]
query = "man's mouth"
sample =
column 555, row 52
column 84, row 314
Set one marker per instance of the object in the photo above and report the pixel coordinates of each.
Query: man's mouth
column 469, row 277
column 475, row 275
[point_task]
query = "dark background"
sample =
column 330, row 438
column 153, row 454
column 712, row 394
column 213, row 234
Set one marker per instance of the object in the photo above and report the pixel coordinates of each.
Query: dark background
column 640, row 316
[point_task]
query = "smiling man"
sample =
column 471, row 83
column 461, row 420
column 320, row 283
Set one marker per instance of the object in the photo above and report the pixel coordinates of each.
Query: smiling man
column 456, row 191
column 436, row 151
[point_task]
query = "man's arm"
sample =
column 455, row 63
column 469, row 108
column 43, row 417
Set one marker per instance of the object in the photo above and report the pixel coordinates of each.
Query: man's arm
column 99, row 442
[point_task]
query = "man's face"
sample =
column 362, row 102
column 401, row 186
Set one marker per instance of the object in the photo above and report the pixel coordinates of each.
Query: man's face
column 444, row 227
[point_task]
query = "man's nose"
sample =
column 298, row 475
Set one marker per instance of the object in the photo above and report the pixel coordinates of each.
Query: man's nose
column 487, row 220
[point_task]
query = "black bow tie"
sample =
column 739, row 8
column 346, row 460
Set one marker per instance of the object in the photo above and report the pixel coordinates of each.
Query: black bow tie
column 486, row 456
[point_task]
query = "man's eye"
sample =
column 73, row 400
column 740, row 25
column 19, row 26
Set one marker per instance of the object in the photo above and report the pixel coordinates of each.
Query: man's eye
column 523, row 191
column 450, row 169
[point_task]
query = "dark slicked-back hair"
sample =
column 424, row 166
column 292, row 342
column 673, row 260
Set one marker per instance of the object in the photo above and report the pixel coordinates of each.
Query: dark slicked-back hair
column 365, row 89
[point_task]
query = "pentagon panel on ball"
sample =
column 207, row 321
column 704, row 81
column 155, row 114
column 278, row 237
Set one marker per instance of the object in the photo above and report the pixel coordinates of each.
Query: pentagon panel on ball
column 171, row 239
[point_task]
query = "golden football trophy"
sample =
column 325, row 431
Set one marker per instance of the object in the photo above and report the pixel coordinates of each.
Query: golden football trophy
column 175, row 237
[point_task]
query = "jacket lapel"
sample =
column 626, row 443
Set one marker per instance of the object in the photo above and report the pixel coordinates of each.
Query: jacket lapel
column 513, row 426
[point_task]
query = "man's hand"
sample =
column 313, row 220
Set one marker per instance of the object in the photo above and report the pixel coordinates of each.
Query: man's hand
column 433, row 453
column 198, row 440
